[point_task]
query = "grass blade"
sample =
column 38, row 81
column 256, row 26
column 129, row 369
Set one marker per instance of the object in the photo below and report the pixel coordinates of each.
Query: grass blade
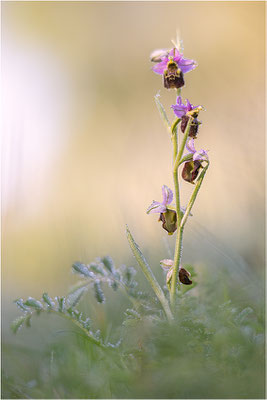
column 148, row 274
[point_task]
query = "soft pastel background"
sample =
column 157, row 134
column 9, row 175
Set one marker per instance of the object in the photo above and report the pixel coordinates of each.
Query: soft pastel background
column 85, row 152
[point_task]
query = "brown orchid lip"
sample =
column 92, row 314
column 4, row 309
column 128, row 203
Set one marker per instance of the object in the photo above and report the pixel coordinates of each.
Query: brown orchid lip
column 193, row 128
column 169, row 221
column 191, row 170
column 184, row 276
column 173, row 76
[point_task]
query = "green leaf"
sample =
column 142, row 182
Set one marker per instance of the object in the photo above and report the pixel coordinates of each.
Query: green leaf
column 87, row 323
column 175, row 125
column 114, row 285
column 148, row 273
column 20, row 305
column 33, row 303
column 117, row 275
column 74, row 297
column 97, row 269
column 162, row 112
column 130, row 312
column 98, row 292
column 129, row 273
column 244, row 314
column 47, row 299
column 61, row 304
column 114, row 345
column 108, row 263
column 17, row 323
column 82, row 269
column 130, row 322
column 78, row 285
column 74, row 313
column 28, row 320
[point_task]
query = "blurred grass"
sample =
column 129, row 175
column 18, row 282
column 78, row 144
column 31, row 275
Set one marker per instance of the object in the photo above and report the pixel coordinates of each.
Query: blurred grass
column 215, row 349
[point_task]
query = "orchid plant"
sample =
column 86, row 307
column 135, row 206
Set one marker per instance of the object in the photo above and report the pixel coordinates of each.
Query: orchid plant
column 183, row 131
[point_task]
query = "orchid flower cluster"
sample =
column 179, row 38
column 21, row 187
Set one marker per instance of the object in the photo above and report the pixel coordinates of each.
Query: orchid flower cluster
column 172, row 66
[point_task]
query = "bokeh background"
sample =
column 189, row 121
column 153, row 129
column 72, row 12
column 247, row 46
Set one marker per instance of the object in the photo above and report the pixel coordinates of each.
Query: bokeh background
column 85, row 151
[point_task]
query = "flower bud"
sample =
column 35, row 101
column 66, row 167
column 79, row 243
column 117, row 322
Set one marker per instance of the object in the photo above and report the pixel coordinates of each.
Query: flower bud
column 191, row 170
column 166, row 264
column 184, row 276
column 169, row 221
column 158, row 55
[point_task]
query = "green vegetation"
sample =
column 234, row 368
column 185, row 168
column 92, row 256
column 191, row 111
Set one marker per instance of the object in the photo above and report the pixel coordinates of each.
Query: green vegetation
column 214, row 348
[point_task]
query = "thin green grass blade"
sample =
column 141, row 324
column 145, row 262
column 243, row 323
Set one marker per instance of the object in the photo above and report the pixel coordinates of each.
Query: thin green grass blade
column 148, row 273
column 162, row 112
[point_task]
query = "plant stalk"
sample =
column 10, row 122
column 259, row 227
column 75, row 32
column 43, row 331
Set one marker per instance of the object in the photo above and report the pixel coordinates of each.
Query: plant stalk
column 87, row 334
column 175, row 150
column 176, row 263
column 179, row 238
column 194, row 195
column 181, row 150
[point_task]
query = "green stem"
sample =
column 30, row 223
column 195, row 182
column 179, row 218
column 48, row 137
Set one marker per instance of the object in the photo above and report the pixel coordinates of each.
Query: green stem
column 89, row 337
column 187, row 157
column 194, row 195
column 177, row 197
column 176, row 263
column 181, row 151
column 175, row 173
column 174, row 142
column 179, row 238
column 162, row 112
column 136, row 303
column 149, row 274
column 174, row 129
